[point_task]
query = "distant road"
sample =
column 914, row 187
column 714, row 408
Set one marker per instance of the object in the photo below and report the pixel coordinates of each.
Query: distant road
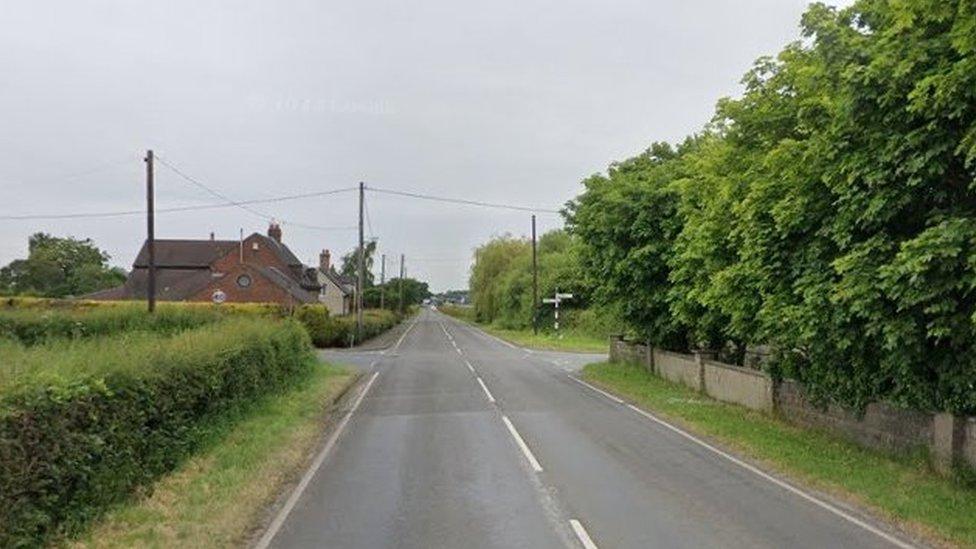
column 463, row 441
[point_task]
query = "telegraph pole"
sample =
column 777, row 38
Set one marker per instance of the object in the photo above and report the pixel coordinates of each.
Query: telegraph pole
column 535, row 283
column 401, row 282
column 383, row 282
column 362, row 265
column 150, row 234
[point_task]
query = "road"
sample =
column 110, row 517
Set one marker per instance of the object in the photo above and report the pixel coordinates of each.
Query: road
column 462, row 440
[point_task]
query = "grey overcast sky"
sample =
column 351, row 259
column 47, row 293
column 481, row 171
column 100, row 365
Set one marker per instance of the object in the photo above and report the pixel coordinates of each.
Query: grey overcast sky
column 509, row 101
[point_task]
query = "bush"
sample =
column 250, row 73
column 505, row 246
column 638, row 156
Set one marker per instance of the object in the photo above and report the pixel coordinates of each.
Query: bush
column 83, row 423
column 32, row 326
column 326, row 331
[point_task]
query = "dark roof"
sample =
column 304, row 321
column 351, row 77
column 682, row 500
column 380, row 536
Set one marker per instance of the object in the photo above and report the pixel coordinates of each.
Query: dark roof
column 287, row 283
column 338, row 280
column 186, row 253
column 284, row 253
column 171, row 284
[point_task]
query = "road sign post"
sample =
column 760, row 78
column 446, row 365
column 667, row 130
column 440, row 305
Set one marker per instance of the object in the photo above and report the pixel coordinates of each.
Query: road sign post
column 555, row 300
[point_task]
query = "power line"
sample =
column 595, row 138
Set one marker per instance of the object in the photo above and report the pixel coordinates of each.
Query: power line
column 213, row 192
column 463, row 201
column 244, row 205
column 186, row 208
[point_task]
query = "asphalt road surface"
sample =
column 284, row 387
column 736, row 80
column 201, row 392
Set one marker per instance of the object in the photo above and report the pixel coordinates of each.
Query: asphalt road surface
column 463, row 441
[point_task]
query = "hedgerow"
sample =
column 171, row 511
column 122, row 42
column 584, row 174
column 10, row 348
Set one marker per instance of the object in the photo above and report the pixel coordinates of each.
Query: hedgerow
column 84, row 423
column 33, row 320
column 31, row 326
column 827, row 215
column 328, row 331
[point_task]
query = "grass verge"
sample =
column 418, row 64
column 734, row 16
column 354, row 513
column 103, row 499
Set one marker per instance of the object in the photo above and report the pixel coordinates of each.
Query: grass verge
column 901, row 489
column 569, row 341
column 215, row 498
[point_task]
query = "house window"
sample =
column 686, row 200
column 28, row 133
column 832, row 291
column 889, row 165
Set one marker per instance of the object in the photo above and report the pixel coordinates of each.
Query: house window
column 244, row 281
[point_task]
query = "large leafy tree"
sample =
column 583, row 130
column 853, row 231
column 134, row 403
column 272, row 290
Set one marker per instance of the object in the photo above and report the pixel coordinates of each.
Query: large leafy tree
column 829, row 212
column 59, row 267
column 350, row 263
column 627, row 223
column 501, row 279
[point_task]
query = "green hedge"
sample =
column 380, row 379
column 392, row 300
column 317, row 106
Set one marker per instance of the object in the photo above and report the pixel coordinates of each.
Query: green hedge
column 83, row 423
column 327, row 331
column 32, row 326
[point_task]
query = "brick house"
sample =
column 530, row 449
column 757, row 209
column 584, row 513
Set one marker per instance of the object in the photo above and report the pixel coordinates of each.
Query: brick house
column 259, row 268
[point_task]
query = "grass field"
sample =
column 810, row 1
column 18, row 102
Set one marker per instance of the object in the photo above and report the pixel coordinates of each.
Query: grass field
column 216, row 498
column 904, row 490
column 565, row 341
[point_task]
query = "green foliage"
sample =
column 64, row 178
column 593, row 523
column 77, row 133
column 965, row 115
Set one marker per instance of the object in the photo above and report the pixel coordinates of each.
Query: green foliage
column 83, row 423
column 350, row 263
column 58, row 267
column 414, row 293
column 32, row 326
column 326, row 331
column 626, row 223
column 829, row 213
column 501, row 279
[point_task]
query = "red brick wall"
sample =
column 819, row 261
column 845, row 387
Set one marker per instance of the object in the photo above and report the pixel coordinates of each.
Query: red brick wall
column 261, row 289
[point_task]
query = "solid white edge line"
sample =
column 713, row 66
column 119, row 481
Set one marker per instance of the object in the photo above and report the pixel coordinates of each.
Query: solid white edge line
column 487, row 392
column 403, row 335
column 522, row 446
column 784, row 485
column 581, row 533
column 296, row 494
column 602, row 392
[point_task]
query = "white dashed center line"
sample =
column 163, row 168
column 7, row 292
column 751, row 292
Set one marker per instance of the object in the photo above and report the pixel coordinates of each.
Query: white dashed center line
column 522, row 445
column 580, row 532
column 487, row 392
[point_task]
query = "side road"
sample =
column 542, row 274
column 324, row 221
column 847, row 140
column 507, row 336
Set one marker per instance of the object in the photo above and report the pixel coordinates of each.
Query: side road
column 460, row 439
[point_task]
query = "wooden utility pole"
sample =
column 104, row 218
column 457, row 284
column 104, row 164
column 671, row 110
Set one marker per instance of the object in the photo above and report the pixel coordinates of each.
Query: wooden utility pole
column 535, row 283
column 383, row 282
column 362, row 266
column 401, row 283
column 150, row 234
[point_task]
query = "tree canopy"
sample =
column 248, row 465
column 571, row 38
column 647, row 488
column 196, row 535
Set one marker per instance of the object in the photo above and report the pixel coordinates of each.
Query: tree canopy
column 829, row 213
column 59, row 267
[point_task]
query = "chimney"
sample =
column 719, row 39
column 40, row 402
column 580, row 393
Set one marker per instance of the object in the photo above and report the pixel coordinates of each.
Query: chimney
column 211, row 236
column 274, row 231
column 325, row 260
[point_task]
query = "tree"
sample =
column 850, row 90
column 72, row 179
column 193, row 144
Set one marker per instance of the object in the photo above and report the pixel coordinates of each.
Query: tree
column 59, row 267
column 350, row 264
column 829, row 213
column 414, row 292
column 627, row 224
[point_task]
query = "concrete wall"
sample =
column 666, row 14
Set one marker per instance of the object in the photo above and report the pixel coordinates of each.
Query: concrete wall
column 622, row 351
column 949, row 439
column 881, row 426
column 678, row 368
column 749, row 388
column 969, row 442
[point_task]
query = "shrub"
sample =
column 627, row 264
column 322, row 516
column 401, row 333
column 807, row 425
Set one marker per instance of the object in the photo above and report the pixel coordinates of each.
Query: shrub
column 84, row 423
column 32, row 326
column 326, row 331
